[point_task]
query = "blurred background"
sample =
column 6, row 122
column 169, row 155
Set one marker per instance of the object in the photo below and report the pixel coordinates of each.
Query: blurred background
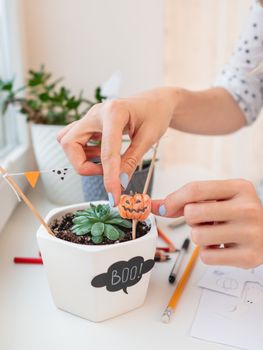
column 148, row 43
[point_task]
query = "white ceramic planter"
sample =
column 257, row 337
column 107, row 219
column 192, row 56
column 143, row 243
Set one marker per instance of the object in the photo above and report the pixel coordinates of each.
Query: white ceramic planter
column 73, row 269
column 49, row 155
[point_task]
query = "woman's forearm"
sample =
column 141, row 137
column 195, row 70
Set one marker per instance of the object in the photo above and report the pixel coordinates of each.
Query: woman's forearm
column 208, row 112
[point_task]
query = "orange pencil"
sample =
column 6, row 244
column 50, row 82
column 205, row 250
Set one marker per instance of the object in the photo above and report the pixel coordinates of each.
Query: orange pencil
column 166, row 239
column 180, row 287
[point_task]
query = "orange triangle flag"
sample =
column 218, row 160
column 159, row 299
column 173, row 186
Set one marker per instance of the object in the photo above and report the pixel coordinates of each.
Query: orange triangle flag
column 32, row 177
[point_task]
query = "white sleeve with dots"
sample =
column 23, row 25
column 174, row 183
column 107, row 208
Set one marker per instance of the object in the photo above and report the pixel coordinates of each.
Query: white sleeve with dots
column 237, row 77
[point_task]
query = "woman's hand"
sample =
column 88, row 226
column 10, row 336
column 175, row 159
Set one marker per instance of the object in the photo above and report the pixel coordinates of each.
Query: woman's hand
column 144, row 117
column 220, row 212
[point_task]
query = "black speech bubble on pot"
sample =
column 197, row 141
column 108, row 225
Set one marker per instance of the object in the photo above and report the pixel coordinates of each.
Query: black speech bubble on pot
column 123, row 274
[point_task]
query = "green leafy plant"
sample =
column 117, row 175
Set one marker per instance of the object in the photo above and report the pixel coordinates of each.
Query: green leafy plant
column 99, row 221
column 44, row 100
column 47, row 101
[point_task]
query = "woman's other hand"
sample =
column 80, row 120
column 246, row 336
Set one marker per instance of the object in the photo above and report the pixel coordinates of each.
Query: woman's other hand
column 225, row 212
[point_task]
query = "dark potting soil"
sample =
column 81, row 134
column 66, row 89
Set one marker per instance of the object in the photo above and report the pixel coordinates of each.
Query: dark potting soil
column 62, row 229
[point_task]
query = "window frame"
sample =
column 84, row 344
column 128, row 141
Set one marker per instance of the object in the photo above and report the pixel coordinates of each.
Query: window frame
column 8, row 129
column 17, row 155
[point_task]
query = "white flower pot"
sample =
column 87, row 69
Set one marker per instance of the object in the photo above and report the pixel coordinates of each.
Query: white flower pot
column 73, row 269
column 49, row 155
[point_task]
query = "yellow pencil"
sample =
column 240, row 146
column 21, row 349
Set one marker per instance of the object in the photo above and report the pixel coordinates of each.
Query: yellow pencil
column 180, row 287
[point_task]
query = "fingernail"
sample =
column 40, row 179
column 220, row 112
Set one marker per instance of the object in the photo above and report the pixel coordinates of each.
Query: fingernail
column 124, row 179
column 111, row 199
column 162, row 210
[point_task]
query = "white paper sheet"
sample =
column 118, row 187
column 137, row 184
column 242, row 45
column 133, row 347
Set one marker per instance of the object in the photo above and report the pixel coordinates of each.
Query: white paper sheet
column 228, row 315
column 227, row 280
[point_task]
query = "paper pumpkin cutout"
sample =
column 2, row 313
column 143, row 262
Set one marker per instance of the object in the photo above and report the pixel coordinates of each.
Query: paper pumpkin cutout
column 136, row 207
column 32, row 177
column 61, row 172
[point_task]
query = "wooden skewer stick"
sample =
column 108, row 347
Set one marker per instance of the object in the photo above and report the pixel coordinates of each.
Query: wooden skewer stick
column 146, row 185
column 134, row 224
column 150, row 172
column 141, row 165
column 26, row 200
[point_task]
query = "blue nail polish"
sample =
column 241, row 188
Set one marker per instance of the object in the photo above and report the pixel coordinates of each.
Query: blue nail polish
column 162, row 210
column 111, row 199
column 124, row 179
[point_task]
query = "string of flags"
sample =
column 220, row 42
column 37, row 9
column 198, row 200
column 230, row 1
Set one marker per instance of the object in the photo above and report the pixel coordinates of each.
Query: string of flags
column 33, row 176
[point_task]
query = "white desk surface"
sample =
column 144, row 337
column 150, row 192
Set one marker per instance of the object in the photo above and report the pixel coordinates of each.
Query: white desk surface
column 29, row 320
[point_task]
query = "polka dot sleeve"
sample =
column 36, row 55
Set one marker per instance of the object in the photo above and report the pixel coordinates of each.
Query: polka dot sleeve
column 237, row 77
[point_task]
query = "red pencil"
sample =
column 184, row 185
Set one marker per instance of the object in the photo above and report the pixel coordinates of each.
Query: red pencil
column 166, row 239
column 19, row 260
column 164, row 249
column 167, row 249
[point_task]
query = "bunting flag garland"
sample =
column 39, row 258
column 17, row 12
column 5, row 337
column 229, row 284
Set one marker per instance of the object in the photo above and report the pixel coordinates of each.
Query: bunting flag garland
column 32, row 177
column 61, row 172
column 20, row 194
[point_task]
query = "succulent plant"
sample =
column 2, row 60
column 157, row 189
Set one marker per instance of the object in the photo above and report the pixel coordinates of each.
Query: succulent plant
column 99, row 221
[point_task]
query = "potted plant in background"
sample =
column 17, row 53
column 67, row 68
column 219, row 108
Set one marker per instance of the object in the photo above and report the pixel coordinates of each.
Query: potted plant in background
column 48, row 106
column 94, row 268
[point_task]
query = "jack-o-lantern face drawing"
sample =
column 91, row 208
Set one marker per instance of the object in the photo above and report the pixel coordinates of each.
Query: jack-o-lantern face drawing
column 137, row 207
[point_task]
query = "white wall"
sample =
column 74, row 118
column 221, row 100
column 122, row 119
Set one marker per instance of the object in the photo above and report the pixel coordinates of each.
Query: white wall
column 199, row 38
column 86, row 40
